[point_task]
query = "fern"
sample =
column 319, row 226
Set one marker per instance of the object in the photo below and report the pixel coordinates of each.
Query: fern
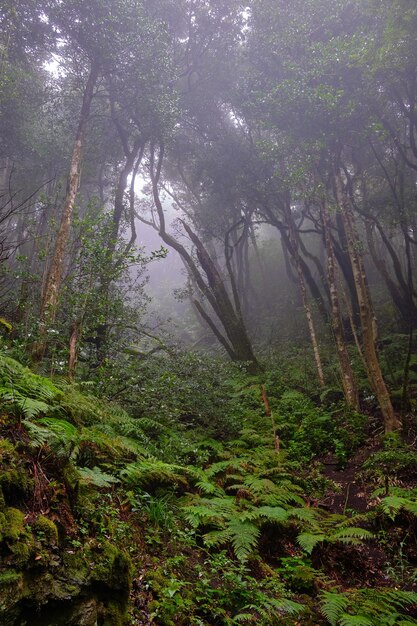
column 243, row 535
column 272, row 513
column 333, row 605
column 153, row 473
column 96, row 477
column 352, row 536
column 60, row 436
column 367, row 607
column 392, row 505
column 308, row 541
column 16, row 377
column 354, row 620
column 29, row 407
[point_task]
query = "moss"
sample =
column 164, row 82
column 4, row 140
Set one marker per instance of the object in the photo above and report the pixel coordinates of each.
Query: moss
column 156, row 579
column 71, row 476
column 77, row 566
column 10, row 577
column 114, row 614
column 113, row 567
column 15, row 524
column 23, row 551
column 3, row 525
column 6, row 449
column 45, row 529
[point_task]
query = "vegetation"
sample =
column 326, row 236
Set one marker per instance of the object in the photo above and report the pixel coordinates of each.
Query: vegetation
column 208, row 310
column 221, row 529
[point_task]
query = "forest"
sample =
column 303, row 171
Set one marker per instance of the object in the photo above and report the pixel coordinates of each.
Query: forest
column 208, row 311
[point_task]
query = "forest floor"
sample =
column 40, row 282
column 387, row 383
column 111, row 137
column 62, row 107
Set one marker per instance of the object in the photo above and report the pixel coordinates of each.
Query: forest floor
column 113, row 519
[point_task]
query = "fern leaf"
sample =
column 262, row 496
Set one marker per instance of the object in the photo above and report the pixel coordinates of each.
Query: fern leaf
column 60, row 427
column 244, row 537
column 209, row 488
column 272, row 513
column 333, row 605
column 392, row 505
column 243, row 617
column 217, row 537
column 351, row 535
column 303, row 514
column 29, row 407
column 96, row 477
column 284, row 605
column 153, row 473
column 354, row 620
column 308, row 541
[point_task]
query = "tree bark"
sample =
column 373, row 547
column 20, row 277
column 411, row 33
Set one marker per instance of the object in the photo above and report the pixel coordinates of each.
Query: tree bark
column 307, row 309
column 53, row 282
column 212, row 287
column 367, row 318
column 348, row 379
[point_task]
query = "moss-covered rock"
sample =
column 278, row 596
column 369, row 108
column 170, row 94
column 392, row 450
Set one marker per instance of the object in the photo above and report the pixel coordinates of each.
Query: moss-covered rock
column 15, row 525
column 45, row 530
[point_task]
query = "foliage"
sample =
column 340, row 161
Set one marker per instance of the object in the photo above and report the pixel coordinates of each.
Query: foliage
column 368, row 607
column 314, row 430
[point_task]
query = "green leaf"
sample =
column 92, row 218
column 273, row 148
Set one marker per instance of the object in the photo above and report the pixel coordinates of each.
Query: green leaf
column 308, row 541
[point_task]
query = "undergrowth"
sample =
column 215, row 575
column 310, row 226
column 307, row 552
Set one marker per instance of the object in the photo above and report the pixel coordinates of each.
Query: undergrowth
column 213, row 524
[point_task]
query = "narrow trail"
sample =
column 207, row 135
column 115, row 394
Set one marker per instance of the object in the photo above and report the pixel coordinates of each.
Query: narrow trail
column 352, row 492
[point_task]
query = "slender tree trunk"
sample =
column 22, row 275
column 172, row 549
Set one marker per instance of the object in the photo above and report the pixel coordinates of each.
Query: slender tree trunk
column 348, row 378
column 303, row 289
column 368, row 322
column 73, row 350
column 53, row 283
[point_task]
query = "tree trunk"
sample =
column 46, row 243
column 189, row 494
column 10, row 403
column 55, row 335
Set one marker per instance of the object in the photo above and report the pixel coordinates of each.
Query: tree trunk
column 367, row 318
column 73, row 350
column 348, row 380
column 53, row 283
column 307, row 309
column 212, row 287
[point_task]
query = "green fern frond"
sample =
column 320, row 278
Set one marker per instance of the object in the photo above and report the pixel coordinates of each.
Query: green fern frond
column 29, row 407
column 60, row 436
column 209, row 488
column 225, row 466
column 303, row 514
column 96, row 477
column 354, row 620
column 333, row 605
column 60, row 427
column 244, row 537
column 242, row 618
column 272, row 513
column 350, row 535
column 217, row 537
column 392, row 505
column 286, row 606
column 308, row 541
column 154, row 473
column 402, row 598
column 39, row 435
column 367, row 607
column 214, row 510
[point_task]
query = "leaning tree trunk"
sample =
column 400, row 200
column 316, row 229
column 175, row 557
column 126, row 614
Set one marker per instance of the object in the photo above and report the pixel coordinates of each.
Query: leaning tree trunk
column 348, row 379
column 53, row 282
column 367, row 318
column 212, row 287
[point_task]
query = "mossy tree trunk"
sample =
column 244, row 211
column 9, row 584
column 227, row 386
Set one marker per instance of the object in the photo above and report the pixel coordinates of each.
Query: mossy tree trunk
column 367, row 317
column 50, row 296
